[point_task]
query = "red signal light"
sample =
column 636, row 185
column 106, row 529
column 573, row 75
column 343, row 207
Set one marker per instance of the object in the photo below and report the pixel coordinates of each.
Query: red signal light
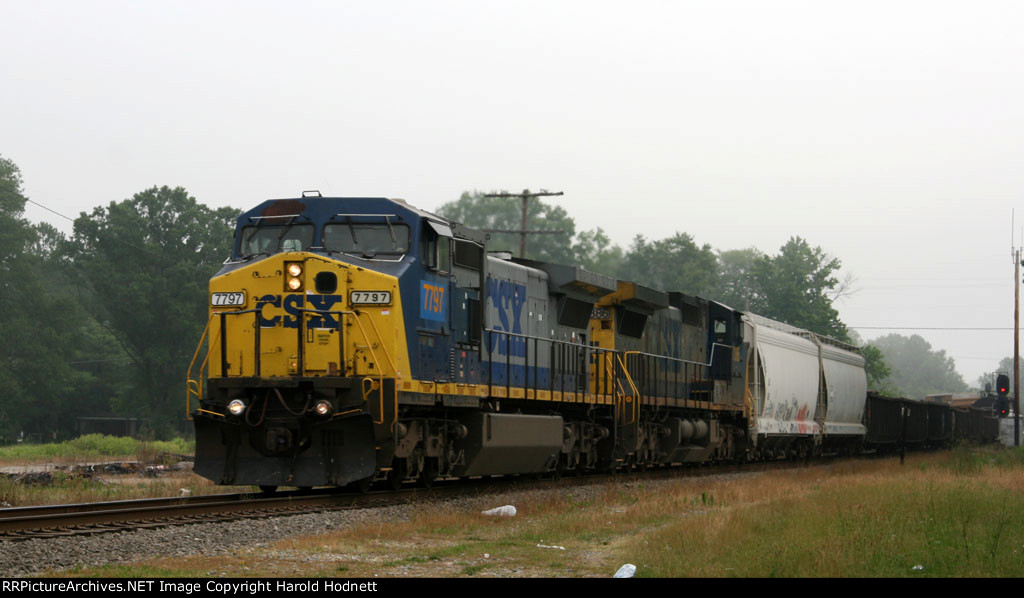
column 1003, row 384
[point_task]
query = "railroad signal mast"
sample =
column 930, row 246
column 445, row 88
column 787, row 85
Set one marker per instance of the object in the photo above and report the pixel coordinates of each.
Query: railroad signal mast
column 526, row 196
column 1002, row 392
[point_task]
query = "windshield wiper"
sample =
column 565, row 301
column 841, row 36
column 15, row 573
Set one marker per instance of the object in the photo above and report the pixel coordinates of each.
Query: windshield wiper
column 352, row 230
column 391, row 230
column 254, row 255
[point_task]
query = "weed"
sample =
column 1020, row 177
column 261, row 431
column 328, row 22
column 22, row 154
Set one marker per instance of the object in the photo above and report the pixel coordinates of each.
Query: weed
column 93, row 446
column 957, row 516
column 473, row 569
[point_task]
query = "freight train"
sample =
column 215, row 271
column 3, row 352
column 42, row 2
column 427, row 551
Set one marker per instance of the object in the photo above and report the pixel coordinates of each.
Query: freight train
column 353, row 340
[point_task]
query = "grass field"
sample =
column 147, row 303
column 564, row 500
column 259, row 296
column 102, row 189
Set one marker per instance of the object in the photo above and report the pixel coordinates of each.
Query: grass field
column 952, row 514
column 93, row 447
column 66, row 487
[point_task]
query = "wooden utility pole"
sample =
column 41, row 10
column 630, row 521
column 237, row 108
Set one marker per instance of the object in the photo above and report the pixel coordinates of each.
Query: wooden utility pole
column 526, row 196
column 1016, row 347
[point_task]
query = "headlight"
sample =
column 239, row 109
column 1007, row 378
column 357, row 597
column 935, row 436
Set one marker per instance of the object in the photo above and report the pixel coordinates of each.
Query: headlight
column 323, row 408
column 236, row 407
column 293, row 270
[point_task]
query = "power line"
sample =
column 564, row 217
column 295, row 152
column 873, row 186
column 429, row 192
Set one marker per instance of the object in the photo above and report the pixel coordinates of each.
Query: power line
column 925, row 328
column 48, row 209
column 525, row 196
column 112, row 238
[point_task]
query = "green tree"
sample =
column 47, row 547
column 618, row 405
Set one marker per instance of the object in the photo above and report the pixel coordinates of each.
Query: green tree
column 39, row 322
column 675, row 263
column 798, row 286
column 915, row 369
column 148, row 260
column 877, row 370
column 504, row 213
column 737, row 283
column 594, row 251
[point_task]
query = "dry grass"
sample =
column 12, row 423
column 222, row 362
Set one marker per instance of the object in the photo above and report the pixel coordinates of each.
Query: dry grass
column 950, row 514
column 64, row 488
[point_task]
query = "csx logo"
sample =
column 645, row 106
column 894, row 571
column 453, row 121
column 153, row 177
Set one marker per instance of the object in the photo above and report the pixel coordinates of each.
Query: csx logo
column 293, row 306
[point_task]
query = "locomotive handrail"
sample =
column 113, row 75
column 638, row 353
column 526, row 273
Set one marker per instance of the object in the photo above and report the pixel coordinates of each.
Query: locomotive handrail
column 380, row 374
column 196, row 386
column 616, row 380
column 636, row 393
column 654, row 373
column 679, row 360
column 580, row 350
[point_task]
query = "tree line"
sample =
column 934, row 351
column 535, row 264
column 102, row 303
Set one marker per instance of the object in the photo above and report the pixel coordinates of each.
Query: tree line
column 104, row 321
column 798, row 285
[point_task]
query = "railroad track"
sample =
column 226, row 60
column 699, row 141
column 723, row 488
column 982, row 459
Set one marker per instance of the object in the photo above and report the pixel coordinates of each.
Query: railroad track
column 50, row 521
column 20, row 523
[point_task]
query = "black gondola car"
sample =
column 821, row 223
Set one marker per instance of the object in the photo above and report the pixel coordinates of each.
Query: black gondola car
column 915, row 423
column 976, row 424
column 940, row 424
column 883, row 421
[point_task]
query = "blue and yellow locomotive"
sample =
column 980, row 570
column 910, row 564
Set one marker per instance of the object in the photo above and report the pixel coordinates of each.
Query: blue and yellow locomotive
column 360, row 339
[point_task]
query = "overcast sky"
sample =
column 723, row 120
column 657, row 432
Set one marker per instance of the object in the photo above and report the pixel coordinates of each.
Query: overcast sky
column 889, row 133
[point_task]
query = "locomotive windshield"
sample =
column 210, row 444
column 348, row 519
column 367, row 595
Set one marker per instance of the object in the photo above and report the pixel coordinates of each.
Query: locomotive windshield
column 367, row 239
column 270, row 239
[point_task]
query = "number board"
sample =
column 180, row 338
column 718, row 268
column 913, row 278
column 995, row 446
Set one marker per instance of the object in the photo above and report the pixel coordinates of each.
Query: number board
column 236, row 299
column 370, row 297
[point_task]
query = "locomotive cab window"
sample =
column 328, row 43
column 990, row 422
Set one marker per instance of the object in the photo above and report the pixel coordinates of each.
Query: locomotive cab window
column 469, row 255
column 720, row 331
column 269, row 239
column 367, row 239
column 436, row 246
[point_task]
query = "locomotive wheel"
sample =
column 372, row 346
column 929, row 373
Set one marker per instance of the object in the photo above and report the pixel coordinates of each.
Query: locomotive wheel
column 397, row 474
column 429, row 473
column 363, row 485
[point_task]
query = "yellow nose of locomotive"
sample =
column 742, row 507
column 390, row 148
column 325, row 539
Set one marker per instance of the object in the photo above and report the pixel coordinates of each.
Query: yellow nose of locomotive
column 281, row 316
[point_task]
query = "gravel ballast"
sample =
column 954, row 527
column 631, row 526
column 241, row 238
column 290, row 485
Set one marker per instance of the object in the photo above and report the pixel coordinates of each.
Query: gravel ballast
column 31, row 557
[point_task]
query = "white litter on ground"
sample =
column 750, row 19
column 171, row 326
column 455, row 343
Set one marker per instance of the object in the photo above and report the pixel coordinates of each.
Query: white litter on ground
column 626, row 570
column 557, row 547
